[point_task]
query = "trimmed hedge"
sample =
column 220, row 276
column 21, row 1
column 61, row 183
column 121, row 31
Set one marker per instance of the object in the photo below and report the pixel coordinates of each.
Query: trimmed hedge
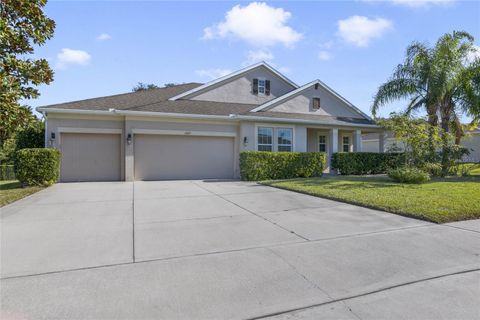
column 358, row 163
column 261, row 165
column 7, row 172
column 37, row 166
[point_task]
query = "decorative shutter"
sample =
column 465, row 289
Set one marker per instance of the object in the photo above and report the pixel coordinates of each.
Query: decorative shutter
column 267, row 87
column 255, row 86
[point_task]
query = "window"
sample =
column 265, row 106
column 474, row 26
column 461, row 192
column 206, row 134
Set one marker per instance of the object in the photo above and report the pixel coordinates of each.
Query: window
column 274, row 139
column 261, row 86
column 315, row 103
column 346, row 144
column 284, row 139
column 265, row 139
column 322, row 143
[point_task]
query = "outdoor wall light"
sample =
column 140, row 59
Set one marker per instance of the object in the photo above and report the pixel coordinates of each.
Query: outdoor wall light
column 52, row 136
column 129, row 138
column 245, row 141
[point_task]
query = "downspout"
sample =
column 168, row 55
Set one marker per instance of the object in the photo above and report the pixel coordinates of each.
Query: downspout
column 44, row 114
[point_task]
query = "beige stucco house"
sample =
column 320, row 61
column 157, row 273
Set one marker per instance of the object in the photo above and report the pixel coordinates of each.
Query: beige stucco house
column 196, row 131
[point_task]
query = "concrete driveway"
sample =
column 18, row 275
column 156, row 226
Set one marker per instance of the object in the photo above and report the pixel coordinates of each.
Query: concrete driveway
column 228, row 250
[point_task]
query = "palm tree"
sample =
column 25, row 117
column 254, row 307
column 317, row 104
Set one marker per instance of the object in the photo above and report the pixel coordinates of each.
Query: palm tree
column 439, row 80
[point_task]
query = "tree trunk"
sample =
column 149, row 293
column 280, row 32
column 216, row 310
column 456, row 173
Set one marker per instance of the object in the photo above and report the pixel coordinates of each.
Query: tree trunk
column 433, row 122
column 445, row 112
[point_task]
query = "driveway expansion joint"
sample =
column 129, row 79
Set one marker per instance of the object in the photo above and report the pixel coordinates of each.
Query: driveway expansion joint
column 344, row 299
column 255, row 214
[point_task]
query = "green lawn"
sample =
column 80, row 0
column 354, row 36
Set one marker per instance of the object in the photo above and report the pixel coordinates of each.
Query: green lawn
column 11, row 191
column 440, row 200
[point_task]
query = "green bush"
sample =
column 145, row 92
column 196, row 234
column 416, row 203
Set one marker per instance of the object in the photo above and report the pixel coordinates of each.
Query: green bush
column 7, row 172
column 31, row 137
column 37, row 166
column 260, row 165
column 432, row 168
column 358, row 163
column 408, row 175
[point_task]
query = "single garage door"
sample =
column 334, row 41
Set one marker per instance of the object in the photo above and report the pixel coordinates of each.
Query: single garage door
column 90, row 157
column 164, row 157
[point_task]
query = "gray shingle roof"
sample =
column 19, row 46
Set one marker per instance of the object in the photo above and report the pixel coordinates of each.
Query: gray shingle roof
column 126, row 100
column 156, row 100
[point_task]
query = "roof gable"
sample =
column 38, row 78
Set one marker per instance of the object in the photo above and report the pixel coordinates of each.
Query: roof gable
column 273, row 104
column 231, row 77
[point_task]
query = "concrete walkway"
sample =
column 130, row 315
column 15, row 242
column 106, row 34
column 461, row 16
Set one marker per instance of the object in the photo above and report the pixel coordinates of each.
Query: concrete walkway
column 228, row 250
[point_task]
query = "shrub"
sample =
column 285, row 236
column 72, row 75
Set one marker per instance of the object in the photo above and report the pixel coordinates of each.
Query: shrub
column 432, row 168
column 408, row 175
column 260, row 165
column 31, row 137
column 37, row 166
column 358, row 163
column 6, row 172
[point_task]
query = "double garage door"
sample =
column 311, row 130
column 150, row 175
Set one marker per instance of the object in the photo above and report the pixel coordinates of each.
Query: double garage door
column 160, row 157
column 98, row 157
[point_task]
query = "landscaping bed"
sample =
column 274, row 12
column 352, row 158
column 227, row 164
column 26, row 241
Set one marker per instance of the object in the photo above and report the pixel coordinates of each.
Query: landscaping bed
column 11, row 191
column 439, row 200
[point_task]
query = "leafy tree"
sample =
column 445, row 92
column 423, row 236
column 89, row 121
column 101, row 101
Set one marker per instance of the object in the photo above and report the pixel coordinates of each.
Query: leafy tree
column 31, row 137
column 144, row 86
column 170, row 84
column 23, row 25
column 439, row 80
column 414, row 134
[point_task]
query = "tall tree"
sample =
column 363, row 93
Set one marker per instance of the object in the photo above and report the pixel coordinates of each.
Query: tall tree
column 23, row 25
column 440, row 80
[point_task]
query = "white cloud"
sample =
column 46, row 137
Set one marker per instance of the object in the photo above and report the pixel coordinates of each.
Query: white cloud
column 70, row 56
column 213, row 73
column 257, row 56
column 324, row 55
column 258, row 24
column 474, row 54
column 360, row 30
column 421, row 3
column 103, row 37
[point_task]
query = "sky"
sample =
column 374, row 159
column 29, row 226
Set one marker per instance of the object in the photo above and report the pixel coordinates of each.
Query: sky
column 107, row 47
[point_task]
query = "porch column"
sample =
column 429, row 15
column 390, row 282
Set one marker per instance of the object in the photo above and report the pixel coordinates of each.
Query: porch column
column 382, row 136
column 332, row 146
column 333, row 141
column 357, row 141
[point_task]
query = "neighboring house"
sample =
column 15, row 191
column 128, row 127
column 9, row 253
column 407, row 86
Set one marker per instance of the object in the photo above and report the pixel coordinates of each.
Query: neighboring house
column 195, row 131
column 471, row 141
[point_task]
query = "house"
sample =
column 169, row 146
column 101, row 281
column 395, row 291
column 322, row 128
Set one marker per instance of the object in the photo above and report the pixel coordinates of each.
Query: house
column 471, row 141
column 196, row 131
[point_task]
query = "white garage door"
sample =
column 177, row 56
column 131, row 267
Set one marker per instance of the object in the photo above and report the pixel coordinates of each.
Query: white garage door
column 90, row 157
column 163, row 157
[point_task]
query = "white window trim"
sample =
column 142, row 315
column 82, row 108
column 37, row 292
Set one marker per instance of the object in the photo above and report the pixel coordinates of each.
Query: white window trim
column 327, row 141
column 264, row 86
column 283, row 145
column 274, row 126
column 350, row 140
column 264, row 144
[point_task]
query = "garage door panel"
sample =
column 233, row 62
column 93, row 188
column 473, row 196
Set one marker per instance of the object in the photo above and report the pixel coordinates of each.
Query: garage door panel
column 164, row 157
column 90, row 157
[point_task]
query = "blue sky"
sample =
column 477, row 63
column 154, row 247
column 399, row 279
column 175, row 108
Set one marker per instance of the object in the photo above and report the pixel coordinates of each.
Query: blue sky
column 104, row 48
